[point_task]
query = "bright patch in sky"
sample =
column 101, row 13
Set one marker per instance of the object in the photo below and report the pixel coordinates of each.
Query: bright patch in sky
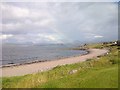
column 5, row 36
column 98, row 36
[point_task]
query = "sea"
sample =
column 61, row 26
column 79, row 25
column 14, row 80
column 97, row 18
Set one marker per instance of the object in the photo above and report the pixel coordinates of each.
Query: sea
column 22, row 54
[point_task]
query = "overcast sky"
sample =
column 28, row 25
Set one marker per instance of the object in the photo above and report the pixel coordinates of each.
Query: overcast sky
column 58, row 22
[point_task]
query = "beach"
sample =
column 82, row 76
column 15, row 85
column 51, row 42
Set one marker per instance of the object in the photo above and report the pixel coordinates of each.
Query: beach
column 44, row 66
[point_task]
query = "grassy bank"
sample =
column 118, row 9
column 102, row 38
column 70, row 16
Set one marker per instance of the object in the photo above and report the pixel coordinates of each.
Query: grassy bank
column 100, row 72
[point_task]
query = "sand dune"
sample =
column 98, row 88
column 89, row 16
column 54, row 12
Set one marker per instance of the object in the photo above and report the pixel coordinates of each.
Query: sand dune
column 43, row 66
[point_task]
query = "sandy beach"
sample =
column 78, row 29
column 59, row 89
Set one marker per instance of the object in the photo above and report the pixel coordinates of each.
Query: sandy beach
column 43, row 66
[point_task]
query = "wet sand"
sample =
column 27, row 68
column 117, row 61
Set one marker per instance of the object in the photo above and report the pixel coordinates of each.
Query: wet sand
column 43, row 66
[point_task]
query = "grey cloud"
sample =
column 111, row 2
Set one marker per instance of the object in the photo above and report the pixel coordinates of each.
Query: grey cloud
column 69, row 21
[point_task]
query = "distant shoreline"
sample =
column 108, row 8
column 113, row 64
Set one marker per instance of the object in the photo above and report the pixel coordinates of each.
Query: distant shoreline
column 43, row 66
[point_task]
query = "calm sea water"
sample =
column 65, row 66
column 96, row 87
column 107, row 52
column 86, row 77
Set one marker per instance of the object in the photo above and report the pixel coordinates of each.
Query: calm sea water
column 19, row 54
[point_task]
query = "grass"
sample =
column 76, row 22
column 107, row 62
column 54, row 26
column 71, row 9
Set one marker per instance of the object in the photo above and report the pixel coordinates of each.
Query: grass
column 101, row 72
column 92, row 78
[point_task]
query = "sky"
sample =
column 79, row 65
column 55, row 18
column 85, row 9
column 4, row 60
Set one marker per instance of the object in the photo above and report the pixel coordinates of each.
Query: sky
column 58, row 22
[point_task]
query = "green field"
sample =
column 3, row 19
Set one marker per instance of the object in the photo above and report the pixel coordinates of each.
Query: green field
column 100, row 72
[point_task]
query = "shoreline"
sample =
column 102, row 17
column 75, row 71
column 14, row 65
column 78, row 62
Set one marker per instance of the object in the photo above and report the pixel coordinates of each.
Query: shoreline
column 31, row 68
column 39, row 61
